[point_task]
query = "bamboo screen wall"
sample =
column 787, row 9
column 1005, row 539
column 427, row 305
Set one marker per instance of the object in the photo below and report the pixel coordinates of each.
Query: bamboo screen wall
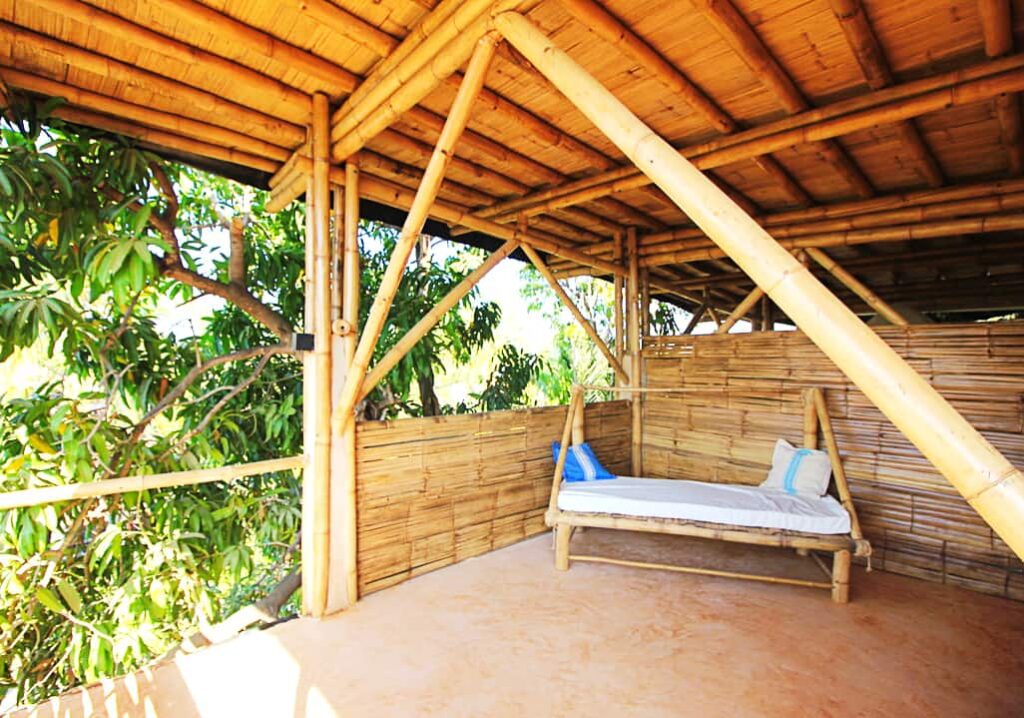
column 917, row 523
column 438, row 490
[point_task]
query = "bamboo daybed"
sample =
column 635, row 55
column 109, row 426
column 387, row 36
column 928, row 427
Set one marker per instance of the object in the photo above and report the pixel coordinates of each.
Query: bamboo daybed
column 841, row 545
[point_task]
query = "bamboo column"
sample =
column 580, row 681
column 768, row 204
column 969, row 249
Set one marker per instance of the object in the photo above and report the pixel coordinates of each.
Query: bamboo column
column 344, row 588
column 633, row 338
column 618, row 316
column 982, row 475
column 316, row 527
column 741, row 310
column 425, row 195
column 584, row 323
column 856, row 286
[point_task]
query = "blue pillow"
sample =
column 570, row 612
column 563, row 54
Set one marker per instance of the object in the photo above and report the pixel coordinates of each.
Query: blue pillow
column 580, row 463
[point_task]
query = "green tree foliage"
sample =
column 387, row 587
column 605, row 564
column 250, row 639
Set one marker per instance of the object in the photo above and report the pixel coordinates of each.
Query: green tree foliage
column 99, row 240
column 574, row 359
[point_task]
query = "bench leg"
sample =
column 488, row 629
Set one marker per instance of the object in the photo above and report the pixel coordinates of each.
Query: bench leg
column 841, row 577
column 563, row 532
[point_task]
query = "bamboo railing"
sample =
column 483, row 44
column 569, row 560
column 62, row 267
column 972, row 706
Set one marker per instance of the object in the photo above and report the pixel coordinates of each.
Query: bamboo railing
column 143, row 482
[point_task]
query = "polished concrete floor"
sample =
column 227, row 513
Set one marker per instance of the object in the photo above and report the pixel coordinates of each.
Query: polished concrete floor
column 507, row 635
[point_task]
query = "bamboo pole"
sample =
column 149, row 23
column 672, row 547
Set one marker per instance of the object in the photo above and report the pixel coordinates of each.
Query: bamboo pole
column 579, row 420
column 41, row 496
column 695, row 319
column 144, row 115
column 741, row 310
column 982, row 475
column 166, row 140
column 866, row 48
column 246, row 85
column 899, row 102
column 645, row 303
column 247, row 38
column 563, row 450
column 316, row 577
column 838, row 471
column 635, row 365
column 431, row 318
column 584, row 323
column 857, row 287
column 702, row 571
column 810, row 419
column 618, row 316
column 417, row 215
column 915, row 207
column 351, row 277
column 702, row 251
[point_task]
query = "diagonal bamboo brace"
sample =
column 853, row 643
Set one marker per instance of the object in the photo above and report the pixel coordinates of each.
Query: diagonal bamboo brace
column 458, row 117
column 978, row 471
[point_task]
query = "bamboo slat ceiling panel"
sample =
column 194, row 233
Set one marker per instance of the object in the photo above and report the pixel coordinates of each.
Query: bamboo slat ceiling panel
column 917, row 523
column 205, row 78
column 434, row 491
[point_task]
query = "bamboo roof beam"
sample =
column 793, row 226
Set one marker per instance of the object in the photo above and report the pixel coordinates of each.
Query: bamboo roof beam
column 742, row 309
column 152, row 88
column 912, row 99
column 904, row 233
column 744, row 41
column 247, row 38
column 346, row 24
column 159, row 139
column 247, row 86
column 609, row 28
column 861, row 37
column 144, row 115
column 856, row 286
column 997, row 28
column 974, row 467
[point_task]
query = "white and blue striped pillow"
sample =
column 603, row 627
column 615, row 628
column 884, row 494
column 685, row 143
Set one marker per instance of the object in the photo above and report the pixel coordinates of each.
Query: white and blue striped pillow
column 798, row 471
column 580, row 463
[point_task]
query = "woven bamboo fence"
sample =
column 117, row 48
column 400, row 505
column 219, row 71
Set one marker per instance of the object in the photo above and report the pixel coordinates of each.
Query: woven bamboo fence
column 917, row 523
column 437, row 490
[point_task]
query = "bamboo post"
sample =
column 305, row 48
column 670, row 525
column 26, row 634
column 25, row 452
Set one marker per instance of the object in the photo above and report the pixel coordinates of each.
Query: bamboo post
column 645, row 304
column 556, row 480
column 618, row 316
column 317, row 372
column 741, row 310
column 578, row 419
column 345, row 538
column 982, row 475
column 841, row 577
column 857, row 287
column 431, row 318
column 766, row 314
column 417, row 215
column 810, row 420
column 838, row 472
column 633, row 337
column 541, row 267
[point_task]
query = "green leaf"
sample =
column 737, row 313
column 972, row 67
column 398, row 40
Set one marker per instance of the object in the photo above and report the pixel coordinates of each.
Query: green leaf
column 141, row 218
column 49, row 599
column 70, row 595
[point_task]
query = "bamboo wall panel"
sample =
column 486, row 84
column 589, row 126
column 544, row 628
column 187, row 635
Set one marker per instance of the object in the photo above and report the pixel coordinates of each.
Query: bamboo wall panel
column 918, row 524
column 433, row 491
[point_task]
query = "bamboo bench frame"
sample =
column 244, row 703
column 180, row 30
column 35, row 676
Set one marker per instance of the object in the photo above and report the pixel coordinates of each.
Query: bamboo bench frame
column 841, row 546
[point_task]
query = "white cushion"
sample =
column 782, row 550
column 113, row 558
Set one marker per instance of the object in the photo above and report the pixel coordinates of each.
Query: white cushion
column 702, row 501
column 798, row 471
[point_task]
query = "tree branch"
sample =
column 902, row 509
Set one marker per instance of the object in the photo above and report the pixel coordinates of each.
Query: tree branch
column 236, row 262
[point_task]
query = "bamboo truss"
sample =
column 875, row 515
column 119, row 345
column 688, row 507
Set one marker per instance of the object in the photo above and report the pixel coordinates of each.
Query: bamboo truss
column 984, row 477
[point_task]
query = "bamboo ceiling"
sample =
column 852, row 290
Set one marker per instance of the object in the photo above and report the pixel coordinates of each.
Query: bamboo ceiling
column 227, row 83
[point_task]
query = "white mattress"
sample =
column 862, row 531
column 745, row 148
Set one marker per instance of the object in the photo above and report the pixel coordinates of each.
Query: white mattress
column 702, row 501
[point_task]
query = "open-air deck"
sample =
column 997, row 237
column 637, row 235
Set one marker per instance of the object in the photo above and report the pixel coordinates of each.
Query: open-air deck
column 850, row 168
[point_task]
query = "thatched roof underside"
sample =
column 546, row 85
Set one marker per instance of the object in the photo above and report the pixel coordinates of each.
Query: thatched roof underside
column 226, row 83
